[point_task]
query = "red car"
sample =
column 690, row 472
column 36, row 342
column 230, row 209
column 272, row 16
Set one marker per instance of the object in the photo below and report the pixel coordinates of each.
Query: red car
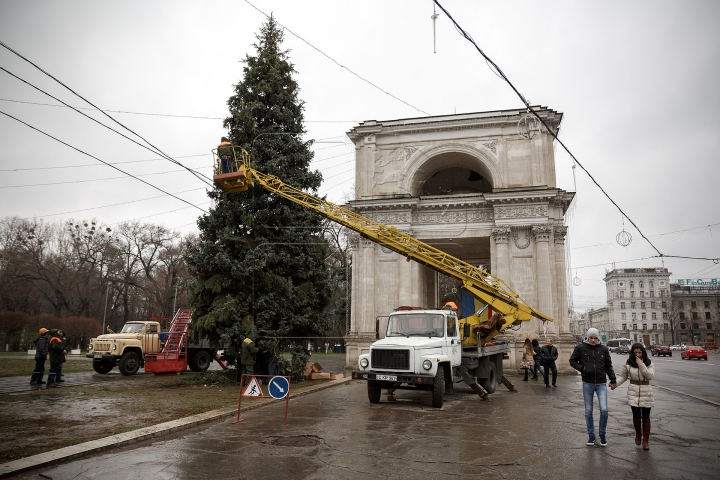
column 693, row 351
column 660, row 350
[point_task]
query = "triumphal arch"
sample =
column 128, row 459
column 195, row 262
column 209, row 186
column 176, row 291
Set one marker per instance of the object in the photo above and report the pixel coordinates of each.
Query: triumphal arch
column 479, row 186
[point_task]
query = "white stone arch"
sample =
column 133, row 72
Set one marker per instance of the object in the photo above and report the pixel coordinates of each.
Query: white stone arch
column 419, row 165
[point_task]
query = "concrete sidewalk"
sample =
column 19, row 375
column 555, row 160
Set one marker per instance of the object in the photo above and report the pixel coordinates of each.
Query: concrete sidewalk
column 536, row 433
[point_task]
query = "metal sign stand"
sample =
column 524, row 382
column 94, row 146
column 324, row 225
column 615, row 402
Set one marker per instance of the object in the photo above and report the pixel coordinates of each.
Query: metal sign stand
column 278, row 388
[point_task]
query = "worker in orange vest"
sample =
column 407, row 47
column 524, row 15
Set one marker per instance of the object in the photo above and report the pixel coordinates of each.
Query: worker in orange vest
column 225, row 153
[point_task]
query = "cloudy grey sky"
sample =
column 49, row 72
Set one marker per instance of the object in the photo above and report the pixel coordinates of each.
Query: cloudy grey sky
column 636, row 82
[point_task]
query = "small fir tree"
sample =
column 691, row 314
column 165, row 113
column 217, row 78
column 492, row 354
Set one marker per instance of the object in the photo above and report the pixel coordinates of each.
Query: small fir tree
column 259, row 261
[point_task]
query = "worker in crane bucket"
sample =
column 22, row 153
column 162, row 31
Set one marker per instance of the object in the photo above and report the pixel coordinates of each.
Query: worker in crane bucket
column 449, row 302
column 225, row 154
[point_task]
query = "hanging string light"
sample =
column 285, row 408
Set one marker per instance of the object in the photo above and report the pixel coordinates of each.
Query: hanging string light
column 577, row 280
column 528, row 126
column 434, row 17
column 623, row 238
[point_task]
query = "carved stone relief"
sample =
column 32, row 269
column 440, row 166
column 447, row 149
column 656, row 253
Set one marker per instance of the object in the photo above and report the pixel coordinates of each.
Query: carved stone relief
column 409, row 152
column 492, row 146
column 501, row 235
column 559, row 234
column 525, row 233
column 390, row 218
column 450, row 216
column 520, row 211
column 541, row 233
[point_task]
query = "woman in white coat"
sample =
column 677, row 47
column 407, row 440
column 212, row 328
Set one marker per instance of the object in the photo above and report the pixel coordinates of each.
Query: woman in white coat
column 639, row 370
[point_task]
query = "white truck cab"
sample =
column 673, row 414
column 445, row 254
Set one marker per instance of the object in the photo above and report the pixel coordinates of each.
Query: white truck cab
column 420, row 349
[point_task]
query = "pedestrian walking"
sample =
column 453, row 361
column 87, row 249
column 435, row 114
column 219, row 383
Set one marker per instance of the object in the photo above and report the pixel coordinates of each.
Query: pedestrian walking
column 538, row 360
column 592, row 360
column 549, row 355
column 639, row 370
column 56, row 357
column 41, row 354
column 527, row 363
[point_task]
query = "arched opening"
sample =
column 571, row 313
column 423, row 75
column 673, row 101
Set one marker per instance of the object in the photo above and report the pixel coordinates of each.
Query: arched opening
column 456, row 180
column 453, row 173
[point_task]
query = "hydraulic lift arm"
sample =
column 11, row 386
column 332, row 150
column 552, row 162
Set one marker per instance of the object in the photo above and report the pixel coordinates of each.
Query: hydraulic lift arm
column 475, row 281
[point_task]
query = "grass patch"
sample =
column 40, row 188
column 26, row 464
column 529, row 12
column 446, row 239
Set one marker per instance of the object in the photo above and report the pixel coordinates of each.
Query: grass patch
column 11, row 367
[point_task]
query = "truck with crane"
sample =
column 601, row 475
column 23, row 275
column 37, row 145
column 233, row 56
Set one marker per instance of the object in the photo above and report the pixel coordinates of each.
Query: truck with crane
column 426, row 349
column 144, row 344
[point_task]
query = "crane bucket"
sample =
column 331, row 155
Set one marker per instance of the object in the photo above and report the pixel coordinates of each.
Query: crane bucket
column 230, row 169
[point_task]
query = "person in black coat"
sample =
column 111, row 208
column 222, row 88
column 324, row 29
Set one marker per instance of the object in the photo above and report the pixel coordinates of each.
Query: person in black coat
column 41, row 353
column 549, row 355
column 538, row 360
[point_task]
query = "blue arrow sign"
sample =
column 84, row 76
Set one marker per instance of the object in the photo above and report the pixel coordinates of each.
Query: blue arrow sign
column 279, row 387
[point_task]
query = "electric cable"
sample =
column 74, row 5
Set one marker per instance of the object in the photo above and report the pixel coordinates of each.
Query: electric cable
column 108, row 206
column 42, row 167
column 157, row 114
column 335, row 61
column 102, row 161
column 89, row 180
column 156, row 151
column 555, row 136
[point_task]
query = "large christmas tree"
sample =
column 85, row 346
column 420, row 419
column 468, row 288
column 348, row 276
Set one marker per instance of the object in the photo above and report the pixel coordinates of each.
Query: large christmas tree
column 259, row 261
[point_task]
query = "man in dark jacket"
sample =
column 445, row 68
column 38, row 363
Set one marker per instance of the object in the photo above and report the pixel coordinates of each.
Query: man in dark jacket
column 41, row 353
column 56, row 358
column 549, row 355
column 593, row 361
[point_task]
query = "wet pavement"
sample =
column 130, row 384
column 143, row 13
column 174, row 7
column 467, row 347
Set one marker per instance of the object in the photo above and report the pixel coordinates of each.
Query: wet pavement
column 336, row 433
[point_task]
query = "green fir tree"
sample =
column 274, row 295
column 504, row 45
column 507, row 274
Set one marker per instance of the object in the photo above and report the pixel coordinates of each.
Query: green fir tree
column 259, row 261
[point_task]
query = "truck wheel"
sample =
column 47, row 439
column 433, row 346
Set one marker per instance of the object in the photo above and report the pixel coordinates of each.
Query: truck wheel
column 490, row 383
column 129, row 363
column 438, row 388
column 200, row 361
column 374, row 391
column 102, row 367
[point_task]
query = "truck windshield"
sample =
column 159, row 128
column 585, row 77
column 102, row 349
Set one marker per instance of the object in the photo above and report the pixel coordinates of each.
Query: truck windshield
column 416, row 325
column 133, row 328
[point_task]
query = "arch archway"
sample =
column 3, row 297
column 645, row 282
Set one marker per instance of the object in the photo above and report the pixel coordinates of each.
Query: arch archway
column 462, row 168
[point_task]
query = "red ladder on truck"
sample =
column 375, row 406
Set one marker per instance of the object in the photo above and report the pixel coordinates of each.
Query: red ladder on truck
column 173, row 357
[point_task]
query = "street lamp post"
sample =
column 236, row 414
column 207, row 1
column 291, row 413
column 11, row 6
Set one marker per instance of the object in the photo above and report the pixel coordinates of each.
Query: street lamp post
column 107, row 293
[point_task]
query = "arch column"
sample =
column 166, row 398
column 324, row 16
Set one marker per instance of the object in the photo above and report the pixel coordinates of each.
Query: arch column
column 544, row 270
column 500, row 259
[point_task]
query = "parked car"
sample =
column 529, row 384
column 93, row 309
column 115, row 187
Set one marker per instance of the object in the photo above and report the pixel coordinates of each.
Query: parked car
column 693, row 351
column 659, row 350
column 712, row 346
column 677, row 347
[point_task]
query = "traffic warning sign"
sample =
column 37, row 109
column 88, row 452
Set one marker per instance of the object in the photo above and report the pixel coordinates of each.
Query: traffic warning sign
column 253, row 389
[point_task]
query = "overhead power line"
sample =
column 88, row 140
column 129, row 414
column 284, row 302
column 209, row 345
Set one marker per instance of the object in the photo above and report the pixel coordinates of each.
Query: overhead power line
column 156, row 149
column 102, row 161
column 43, row 167
column 88, row 180
column 156, row 114
column 108, row 206
column 336, row 62
column 502, row 75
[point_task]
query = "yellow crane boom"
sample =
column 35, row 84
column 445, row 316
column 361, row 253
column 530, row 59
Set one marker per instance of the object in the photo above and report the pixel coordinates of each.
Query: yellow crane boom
column 478, row 283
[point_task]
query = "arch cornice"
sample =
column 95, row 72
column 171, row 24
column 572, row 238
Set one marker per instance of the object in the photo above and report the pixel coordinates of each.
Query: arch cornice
column 420, row 157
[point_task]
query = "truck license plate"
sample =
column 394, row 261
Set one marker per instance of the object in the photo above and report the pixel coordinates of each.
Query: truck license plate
column 392, row 378
column 97, row 356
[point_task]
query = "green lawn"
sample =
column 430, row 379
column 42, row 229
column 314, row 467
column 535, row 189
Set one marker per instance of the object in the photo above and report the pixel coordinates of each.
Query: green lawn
column 10, row 367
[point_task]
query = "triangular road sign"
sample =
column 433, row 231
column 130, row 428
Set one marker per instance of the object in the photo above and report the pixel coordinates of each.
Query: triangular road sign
column 253, row 389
